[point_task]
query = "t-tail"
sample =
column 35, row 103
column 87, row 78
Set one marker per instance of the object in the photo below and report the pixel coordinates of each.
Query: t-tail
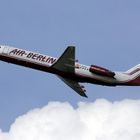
column 134, row 76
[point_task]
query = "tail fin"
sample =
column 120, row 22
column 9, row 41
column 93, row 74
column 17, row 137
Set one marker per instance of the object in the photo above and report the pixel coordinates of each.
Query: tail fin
column 133, row 70
column 135, row 75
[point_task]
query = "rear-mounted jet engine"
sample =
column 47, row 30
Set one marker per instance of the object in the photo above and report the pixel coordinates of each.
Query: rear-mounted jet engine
column 101, row 71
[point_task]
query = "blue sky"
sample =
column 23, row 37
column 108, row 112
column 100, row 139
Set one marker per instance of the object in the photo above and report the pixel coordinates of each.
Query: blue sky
column 105, row 33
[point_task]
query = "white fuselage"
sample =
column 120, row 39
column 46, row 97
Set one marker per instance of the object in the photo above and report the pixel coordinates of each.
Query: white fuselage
column 44, row 63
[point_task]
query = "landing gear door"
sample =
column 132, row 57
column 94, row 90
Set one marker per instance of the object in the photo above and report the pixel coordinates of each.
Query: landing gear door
column 5, row 50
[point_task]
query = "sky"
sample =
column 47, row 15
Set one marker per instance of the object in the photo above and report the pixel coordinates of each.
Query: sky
column 105, row 33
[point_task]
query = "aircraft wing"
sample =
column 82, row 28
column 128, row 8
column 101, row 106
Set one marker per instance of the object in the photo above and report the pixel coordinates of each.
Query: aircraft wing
column 66, row 62
column 74, row 85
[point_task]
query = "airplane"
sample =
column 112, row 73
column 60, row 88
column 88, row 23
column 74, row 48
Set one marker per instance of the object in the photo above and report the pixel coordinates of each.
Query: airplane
column 69, row 70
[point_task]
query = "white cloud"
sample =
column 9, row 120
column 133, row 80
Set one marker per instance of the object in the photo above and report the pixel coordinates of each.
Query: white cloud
column 100, row 120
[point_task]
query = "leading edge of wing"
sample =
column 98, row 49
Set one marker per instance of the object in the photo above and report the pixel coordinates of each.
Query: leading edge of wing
column 66, row 62
column 74, row 85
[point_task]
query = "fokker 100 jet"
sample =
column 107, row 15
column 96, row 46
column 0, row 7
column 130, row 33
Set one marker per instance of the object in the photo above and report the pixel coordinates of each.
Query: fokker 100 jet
column 69, row 70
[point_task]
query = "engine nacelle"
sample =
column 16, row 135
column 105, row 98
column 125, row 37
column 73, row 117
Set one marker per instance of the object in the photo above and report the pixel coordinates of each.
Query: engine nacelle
column 101, row 71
